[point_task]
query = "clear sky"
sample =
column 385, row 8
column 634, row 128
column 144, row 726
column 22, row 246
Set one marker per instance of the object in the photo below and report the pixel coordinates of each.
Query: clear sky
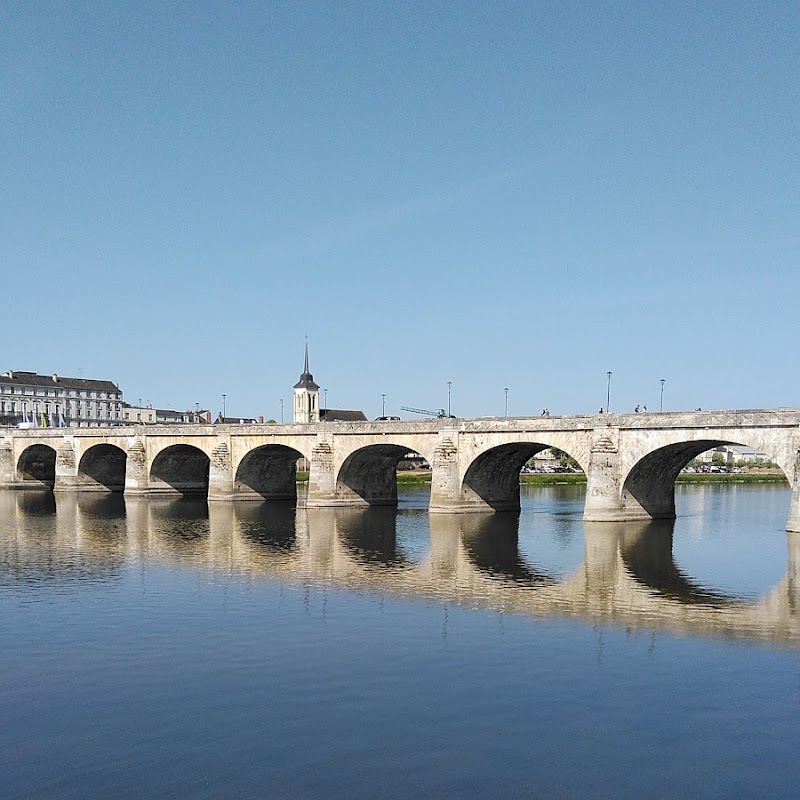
column 496, row 194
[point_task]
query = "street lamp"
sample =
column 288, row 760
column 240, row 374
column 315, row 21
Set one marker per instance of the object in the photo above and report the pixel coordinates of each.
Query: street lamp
column 608, row 393
column 281, row 409
column 383, row 405
column 505, row 413
column 223, row 405
column 324, row 399
column 449, row 387
column 663, row 381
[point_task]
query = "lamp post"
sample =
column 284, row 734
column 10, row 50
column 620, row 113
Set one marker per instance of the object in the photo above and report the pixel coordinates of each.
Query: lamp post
column 223, row 405
column 505, row 413
column 608, row 392
column 383, row 405
column 449, row 387
column 281, row 409
column 197, row 412
column 663, row 381
column 324, row 399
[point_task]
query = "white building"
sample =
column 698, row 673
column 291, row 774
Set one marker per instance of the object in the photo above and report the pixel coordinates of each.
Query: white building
column 136, row 415
column 55, row 401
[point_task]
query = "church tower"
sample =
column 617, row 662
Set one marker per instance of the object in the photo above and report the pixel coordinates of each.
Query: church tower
column 306, row 396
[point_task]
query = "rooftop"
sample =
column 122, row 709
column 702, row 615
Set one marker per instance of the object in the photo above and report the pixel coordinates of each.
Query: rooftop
column 19, row 377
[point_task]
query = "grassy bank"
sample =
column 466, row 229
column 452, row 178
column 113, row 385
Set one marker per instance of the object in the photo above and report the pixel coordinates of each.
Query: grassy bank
column 728, row 477
column 550, row 479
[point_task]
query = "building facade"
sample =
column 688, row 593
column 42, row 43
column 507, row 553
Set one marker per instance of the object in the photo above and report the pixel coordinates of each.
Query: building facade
column 56, row 401
column 147, row 415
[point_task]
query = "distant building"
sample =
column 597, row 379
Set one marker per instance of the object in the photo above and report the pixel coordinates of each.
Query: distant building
column 56, row 401
column 341, row 415
column 306, row 402
column 220, row 420
column 137, row 415
column 150, row 416
column 733, row 454
column 168, row 416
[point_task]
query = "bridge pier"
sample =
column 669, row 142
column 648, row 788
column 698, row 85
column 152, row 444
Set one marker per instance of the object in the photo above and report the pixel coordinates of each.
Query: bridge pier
column 446, row 492
column 7, row 467
column 136, row 470
column 66, row 479
column 604, row 501
column 220, row 474
column 793, row 525
column 322, row 478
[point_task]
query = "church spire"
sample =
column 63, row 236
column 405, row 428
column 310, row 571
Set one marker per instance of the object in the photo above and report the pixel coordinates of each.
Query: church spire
column 306, row 379
column 306, row 395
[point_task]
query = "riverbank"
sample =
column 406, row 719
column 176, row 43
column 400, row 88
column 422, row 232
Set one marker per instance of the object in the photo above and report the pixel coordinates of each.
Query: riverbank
column 558, row 478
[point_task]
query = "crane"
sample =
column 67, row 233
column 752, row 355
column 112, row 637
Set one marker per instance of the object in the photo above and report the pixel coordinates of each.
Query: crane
column 439, row 412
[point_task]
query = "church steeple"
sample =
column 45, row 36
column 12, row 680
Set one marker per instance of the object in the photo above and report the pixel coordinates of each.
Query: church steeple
column 306, row 395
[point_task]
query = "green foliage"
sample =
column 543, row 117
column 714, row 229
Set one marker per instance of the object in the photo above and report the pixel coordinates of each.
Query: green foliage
column 564, row 459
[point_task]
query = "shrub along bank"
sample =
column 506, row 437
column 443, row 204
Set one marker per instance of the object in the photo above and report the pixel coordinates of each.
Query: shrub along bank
column 550, row 479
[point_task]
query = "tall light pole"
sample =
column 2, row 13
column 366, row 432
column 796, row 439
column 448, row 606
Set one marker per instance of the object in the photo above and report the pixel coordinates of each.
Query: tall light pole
column 449, row 387
column 505, row 413
column 223, row 405
column 608, row 393
column 324, row 399
column 663, row 381
column 383, row 405
column 281, row 409
column 197, row 412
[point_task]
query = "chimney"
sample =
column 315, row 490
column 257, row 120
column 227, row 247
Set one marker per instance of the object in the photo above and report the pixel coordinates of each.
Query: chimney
column 261, row 419
column 55, row 378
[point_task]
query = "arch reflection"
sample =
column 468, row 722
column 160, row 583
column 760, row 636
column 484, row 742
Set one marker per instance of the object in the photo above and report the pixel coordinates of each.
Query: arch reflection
column 628, row 575
column 272, row 526
column 492, row 545
column 647, row 552
column 370, row 535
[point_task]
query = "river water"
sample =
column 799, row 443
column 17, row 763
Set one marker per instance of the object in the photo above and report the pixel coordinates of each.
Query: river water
column 174, row 649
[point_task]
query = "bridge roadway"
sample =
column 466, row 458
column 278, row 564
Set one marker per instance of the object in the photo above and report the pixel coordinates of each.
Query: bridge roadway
column 631, row 460
column 628, row 577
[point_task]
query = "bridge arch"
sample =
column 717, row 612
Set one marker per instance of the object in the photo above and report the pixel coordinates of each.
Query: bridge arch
column 268, row 472
column 648, row 484
column 102, row 467
column 492, row 477
column 180, row 469
column 368, row 476
column 36, row 466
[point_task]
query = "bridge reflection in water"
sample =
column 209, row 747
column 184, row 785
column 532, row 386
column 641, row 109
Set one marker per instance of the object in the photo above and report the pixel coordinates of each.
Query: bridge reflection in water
column 628, row 576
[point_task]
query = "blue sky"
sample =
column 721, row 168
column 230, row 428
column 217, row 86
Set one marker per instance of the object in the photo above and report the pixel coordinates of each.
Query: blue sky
column 496, row 194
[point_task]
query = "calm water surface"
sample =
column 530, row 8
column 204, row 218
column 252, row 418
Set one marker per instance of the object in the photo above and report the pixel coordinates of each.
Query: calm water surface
column 173, row 649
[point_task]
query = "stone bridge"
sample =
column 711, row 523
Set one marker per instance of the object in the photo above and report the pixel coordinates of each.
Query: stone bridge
column 631, row 460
